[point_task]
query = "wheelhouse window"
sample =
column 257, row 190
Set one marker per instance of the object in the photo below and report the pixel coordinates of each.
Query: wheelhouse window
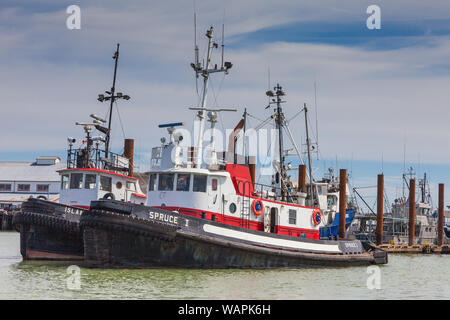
column 292, row 216
column 199, row 183
column 152, row 183
column 42, row 187
column 23, row 187
column 183, row 181
column 90, row 181
column 76, row 181
column 64, row 182
column 105, row 183
column 165, row 182
column 5, row 187
column 131, row 186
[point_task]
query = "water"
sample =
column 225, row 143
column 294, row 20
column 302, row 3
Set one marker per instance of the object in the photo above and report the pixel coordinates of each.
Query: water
column 405, row 277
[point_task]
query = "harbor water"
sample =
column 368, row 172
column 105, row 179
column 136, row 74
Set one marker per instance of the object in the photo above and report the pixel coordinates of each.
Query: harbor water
column 404, row 277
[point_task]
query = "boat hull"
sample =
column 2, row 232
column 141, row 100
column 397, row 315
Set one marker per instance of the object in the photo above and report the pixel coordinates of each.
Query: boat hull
column 150, row 237
column 49, row 231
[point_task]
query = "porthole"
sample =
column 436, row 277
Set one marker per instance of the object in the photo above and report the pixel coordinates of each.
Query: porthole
column 232, row 208
column 119, row 185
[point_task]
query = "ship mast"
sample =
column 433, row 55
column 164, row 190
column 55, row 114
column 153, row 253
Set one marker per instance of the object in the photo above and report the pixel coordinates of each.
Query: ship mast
column 113, row 88
column 279, row 120
column 308, row 145
column 205, row 71
column 111, row 96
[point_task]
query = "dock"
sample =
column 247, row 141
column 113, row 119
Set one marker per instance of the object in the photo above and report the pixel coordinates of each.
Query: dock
column 425, row 248
column 6, row 218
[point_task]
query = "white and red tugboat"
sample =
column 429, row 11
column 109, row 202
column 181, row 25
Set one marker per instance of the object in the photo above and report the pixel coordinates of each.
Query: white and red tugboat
column 50, row 230
column 212, row 214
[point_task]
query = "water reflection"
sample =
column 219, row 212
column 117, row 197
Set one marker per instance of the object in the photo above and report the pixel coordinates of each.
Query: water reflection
column 405, row 277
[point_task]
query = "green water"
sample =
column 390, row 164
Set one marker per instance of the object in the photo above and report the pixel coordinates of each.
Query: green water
column 405, row 277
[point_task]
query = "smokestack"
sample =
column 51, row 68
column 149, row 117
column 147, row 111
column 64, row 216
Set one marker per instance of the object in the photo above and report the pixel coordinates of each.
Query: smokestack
column 441, row 215
column 342, row 202
column 412, row 210
column 128, row 152
column 301, row 178
column 380, row 199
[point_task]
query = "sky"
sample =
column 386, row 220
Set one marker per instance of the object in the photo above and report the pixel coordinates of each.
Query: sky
column 381, row 96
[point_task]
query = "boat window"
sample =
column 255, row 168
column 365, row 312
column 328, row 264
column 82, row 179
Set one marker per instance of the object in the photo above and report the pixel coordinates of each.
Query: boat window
column 105, row 183
column 119, row 185
column 42, row 187
column 5, row 187
column 131, row 186
column 165, row 182
column 214, row 184
column 199, row 183
column 332, row 200
column 292, row 216
column 90, row 181
column 23, row 187
column 183, row 181
column 232, row 207
column 152, row 183
column 76, row 181
column 65, row 182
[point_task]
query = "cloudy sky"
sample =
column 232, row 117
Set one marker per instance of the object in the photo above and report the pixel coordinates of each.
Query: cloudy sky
column 379, row 92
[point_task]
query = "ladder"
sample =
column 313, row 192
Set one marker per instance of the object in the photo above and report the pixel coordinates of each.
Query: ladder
column 245, row 203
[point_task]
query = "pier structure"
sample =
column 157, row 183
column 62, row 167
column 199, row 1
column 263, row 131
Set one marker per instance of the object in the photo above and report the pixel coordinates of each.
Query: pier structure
column 411, row 247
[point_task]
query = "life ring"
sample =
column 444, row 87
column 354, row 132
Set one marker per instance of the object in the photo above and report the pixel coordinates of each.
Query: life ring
column 316, row 217
column 109, row 196
column 257, row 207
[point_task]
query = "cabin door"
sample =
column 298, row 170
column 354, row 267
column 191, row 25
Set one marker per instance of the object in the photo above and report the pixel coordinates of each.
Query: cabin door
column 215, row 201
column 273, row 219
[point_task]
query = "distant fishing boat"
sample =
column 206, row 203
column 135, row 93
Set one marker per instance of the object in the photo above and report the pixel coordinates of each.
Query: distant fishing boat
column 213, row 214
column 50, row 230
column 396, row 221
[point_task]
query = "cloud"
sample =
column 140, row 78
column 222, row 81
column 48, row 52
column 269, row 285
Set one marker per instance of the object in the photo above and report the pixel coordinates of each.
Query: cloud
column 370, row 101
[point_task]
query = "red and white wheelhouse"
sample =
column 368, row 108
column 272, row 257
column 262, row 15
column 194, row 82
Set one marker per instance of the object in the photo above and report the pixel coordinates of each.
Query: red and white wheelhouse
column 222, row 196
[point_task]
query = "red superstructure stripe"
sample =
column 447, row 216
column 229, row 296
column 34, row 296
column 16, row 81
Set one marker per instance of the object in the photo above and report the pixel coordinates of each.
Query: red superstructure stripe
column 247, row 224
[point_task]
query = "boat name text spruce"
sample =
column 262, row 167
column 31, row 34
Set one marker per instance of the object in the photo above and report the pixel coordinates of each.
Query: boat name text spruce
column 163, row 217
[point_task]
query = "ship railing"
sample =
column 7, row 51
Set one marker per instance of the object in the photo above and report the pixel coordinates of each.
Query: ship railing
column 263, row 191
column 96, row 158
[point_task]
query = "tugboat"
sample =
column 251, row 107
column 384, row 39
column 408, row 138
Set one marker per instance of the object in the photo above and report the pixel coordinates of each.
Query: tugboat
column 50, row 230
column 212, row 213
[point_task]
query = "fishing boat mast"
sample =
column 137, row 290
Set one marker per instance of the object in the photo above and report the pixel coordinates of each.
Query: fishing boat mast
column 308, row 145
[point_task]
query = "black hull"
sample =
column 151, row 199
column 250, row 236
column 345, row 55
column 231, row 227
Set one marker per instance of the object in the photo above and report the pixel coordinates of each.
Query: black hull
column 49, row 231
column 129, row 239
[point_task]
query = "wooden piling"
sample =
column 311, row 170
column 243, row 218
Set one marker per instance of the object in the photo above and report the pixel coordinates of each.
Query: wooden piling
column 440, row 235
column 412, row 210
column 380, row 198
column 128, row 152
column 342, row 202
column 301, row 178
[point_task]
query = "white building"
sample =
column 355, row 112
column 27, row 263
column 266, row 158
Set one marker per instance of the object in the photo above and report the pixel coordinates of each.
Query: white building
column 20, row 180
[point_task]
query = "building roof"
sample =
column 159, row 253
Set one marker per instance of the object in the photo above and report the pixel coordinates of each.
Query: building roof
column 29, row 171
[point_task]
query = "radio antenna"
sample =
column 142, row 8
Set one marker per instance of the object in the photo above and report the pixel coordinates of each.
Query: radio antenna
column 196, row 49
column 223, row 31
